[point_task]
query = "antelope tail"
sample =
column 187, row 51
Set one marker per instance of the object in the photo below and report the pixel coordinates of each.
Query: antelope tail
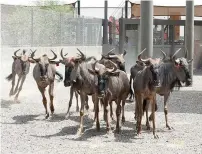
column 101, row 103
column 9, row 77
column 131, row 91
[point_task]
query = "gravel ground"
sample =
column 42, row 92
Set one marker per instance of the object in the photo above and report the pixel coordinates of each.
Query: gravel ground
column 24, row 129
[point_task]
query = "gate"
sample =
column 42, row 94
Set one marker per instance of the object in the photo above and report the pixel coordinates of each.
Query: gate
column 165, row 37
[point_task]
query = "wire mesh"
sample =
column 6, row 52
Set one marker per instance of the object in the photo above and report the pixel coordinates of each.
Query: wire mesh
column 31, row 26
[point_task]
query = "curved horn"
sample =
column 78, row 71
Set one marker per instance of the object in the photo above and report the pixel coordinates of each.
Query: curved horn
column 140, row 59
column 61, row 54
column 32, row 56
column 110, row 51
column 31, row 52
column 55, row 56
column 189, row 61
column 113, row 56
column 164, row 55
column 94, row 68
column 15, row 53
column 82, row 55
column 176, row 53
column 114, row 67
column 185, row 52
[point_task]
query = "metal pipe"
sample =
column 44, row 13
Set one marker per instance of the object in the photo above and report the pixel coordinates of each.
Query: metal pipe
column 126, row 8
column 146, row 28
column 189, row 33
column 105, row 25
column 79, row 8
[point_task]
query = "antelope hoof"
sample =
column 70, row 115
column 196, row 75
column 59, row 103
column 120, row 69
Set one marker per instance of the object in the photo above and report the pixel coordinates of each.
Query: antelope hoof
column 98, row 126
column 123, row 120
column 16, row 100
column 52, row 109
column 47, row 115
column 80, row 131
column 87, row 107
column 138, row 135
column 109, row 130
column 67, row 116
column 156, row 137
column 169, row 128
column 117, row 131
column 148, row 126
column 150, row 118
column 77, row 109
column 51, row 115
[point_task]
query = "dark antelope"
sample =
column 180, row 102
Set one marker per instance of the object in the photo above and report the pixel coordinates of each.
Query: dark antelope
column 171, row 73
column 44, row 74
column 20, row 66
column 144, row 88
column 113, row 85
column 68, row 81
column 86, row 84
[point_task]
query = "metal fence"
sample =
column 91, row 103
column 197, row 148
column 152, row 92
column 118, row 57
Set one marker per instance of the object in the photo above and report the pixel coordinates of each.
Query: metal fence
column 34, row 27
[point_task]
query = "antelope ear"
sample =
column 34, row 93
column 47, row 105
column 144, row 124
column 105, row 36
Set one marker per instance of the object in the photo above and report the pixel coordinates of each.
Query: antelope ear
column 14, row 57
column 124, row 53
column 189, row 61
column 92, row 72
column 140, row 63
column 31, row 60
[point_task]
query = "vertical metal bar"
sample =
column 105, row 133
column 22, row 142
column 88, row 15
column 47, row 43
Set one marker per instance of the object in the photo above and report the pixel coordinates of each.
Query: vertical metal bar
column 110, row 33
column 189, row 33
column 79, row 8
column 121, row 35
column 126, row 8
column 105, row 25
column 146, row 27
column 162, row 35
column 173, row 40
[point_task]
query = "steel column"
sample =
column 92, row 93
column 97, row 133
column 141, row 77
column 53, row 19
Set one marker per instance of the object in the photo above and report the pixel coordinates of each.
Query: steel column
column 146, row 28
column 121, row 35
column 189, row 33
column 126, row 8
column 79, row 8
column 105, row 25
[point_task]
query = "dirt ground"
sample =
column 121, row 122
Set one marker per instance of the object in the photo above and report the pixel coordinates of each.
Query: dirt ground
column 25, row 130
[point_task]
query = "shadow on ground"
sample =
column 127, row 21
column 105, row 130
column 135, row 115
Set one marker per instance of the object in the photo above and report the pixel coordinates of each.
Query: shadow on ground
column 7, row 103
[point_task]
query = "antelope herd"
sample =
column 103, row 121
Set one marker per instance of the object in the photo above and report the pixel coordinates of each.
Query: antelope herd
column 106, row 81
